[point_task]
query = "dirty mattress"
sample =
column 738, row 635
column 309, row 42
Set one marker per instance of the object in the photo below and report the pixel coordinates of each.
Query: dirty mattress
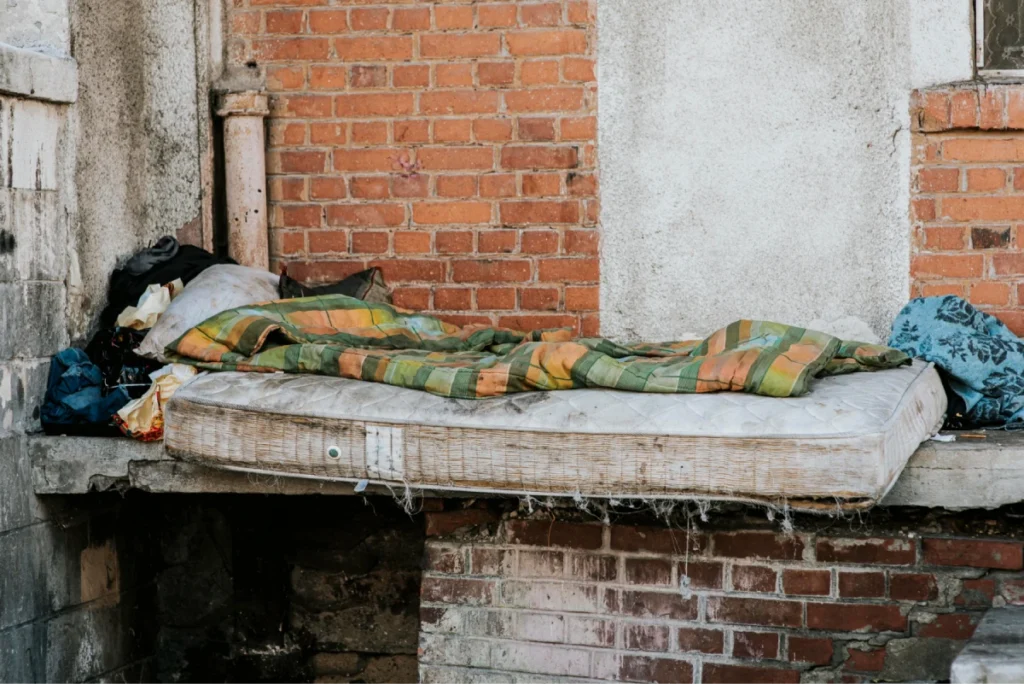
column 842, row 444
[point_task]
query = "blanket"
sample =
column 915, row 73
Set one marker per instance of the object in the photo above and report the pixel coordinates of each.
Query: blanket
column 981, row 359
column 346, row 337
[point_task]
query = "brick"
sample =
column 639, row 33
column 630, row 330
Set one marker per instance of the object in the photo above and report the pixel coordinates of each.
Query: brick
column 753, row 578
column 451, row 17
column 581, row 184
column 292, row 243
column 855, row 617
column 329, row 134
column 542, row 184
column 412, row 131
column 638, row 637
column 976, row 593
column 662, row 540
column 870, row 660
column 540, row 242
column 952, row 626
column 701, row 574
column 1008, row 208
column 453, row 242
column 984, row 149
column 496, row 298
column 377, row 104
column 648, row 571
column 990, row 294
column 522, row 43
column 590, row 632
column 453, row 75
column 539, row 157
column 324, row 242
column 291, row 49
column 749, row 611
column 302, row 162
column 700, row 640
column 551, row 596
column 456, row 158
column 497, row 241
column 368, row 19
column 583, row 128
column 289, row 21
column 409, row 186
column 492, row 130
column 590, row 325
column 923, row 209
column 545, row 14
column 807, row 582
column 948, row 265
column 444, row 560
column 487, row 561
column 364, row 160
column 369, row 132
column 369, row 187
column 1013, row 591
column 243, row 23
column 527, row 213
column 328, row 21
column 323, row 271
column 413, row 19
column 415, row 76
column 578, row 69
column 1015, row 110
column 861, row 584
column 973, row 553
column 993, row 109
column 410, row 270
column 808, row 650
column 446, row 213
column 755, row 645
column 538, row 298
column 454, row 298
column 537, row 321
column 963, row 111
column 985, row 180
column 581, row 11
column 554, row 533
column 658, row 670
column 881, row 551
column 365, row 215
column 459, row 102
column 374, row 242
column 302, row 216
column 492, row 16
column 285, row 78
column 305, row 106
column 291, row 189
column 593, row 568
column 456, row 186
column 468, row 592
column 944, row 238
column 723, row 673
column 496, row 73
column 536, row 129
column 990, row 238
column 1008, row 264
column 543, row 72
column 544, row 100
column 488, row 270
column 434, row 45
column 581, row 242
column 541, row 563
column 757, row 545
column 668, row 605
column 938, row 180
column 375, row 49
column 497, row 185
column 414, row 298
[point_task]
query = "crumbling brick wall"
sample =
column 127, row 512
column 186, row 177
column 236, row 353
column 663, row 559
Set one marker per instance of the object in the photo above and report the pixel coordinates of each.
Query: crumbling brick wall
column 744, row 602
column 452, row 143
column 968, row 196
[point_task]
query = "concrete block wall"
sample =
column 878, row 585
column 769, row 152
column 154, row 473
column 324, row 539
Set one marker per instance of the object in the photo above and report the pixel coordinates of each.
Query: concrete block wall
column 452, row 143
column 547, row 600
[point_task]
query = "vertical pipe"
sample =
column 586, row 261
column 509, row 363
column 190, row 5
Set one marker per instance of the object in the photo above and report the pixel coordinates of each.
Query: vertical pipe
column 245, row 177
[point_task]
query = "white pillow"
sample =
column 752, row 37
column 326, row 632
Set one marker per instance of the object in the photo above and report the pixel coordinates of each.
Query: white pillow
column 218, row 288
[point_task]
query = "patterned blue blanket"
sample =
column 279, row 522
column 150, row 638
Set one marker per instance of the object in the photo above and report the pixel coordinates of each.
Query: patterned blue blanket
column 982, row 360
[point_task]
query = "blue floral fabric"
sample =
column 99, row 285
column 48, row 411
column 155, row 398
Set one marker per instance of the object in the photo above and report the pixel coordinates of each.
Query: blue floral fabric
column 982, row 360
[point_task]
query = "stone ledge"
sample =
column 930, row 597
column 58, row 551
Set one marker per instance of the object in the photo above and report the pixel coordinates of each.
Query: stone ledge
column 966, row 474
column 37, row 76
column 996, row 651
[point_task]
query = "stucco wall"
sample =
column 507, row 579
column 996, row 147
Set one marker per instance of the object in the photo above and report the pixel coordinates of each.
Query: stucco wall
column 755, row 157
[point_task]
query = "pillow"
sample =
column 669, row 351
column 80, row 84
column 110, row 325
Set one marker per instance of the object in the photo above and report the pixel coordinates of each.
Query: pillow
column 218, row 288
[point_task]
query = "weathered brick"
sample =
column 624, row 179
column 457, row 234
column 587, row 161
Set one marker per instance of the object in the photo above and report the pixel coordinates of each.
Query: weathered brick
column 855, row 617
column 867, row 660
column 862, row 584
column 973, row 553
column 807, row 582
column 912, row 587
column 648, row 571
column 554, row 533
column 755, row 645
column 640, row 637
column 881, row 551
column 748, row 611
column 757, row 545
column 669, row 605
column 753, row 578
column 951, row 626
column 725, row 673
column 700, row 640
column 810, row 650
column 471, row 592
column 445, row 522
column 657, row 670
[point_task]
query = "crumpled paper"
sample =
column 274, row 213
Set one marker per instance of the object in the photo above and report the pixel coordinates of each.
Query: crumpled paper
column 153, row 302
column 143, row 418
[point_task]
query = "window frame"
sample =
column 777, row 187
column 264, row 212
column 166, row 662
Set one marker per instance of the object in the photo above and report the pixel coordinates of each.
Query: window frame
column 979, row 49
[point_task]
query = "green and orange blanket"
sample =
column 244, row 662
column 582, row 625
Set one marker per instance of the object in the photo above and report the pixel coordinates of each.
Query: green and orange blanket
column 347, row 337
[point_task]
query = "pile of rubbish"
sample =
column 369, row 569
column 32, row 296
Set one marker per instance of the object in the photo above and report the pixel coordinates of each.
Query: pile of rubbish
column 120, row 383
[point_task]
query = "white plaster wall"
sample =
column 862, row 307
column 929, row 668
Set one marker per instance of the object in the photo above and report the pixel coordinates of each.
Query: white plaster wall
column 755, row 156
column 40, row 25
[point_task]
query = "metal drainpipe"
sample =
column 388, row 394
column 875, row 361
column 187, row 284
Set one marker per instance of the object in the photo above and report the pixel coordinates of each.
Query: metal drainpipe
column 245, row 176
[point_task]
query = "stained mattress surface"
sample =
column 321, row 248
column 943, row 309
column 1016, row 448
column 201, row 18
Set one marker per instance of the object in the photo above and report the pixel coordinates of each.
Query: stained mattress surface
column 846, row 441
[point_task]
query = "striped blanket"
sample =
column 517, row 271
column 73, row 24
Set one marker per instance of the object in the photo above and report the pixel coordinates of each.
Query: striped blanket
column 347, row 337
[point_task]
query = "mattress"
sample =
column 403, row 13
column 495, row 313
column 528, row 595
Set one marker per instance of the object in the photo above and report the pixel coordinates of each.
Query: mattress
column 842, row 444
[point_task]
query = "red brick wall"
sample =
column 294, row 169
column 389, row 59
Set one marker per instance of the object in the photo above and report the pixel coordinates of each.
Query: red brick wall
column 968, row 197
column 556, row 598
column 450, row 142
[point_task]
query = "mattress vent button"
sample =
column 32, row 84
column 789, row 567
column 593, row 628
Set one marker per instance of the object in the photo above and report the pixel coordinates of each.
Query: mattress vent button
column 334, row 452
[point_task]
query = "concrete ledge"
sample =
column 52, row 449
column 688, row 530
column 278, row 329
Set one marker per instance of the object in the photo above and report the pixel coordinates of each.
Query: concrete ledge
column 968, row 473
column 38, row 76
column 996, row 651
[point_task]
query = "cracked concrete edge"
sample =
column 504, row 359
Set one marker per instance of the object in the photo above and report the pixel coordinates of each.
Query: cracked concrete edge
column 37, row 76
